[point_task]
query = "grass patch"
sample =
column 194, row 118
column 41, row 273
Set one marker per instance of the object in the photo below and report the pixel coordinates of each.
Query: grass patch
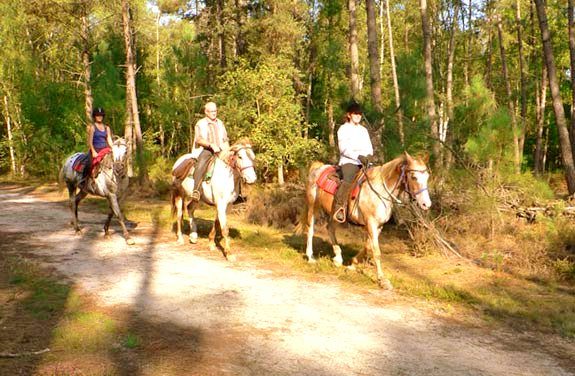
column 86, row 332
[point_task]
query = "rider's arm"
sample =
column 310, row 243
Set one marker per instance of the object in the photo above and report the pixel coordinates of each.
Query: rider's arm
column 109, row 137
column 91, row 141
column 200, row 138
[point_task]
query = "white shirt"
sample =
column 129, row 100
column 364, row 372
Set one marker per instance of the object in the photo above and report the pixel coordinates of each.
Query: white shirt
column 211, row 131
column 353, row 141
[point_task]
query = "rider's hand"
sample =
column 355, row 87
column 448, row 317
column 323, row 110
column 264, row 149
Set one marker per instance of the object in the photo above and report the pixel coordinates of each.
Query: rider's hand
column 364, row 160
column 216, row 149
column 94, row 154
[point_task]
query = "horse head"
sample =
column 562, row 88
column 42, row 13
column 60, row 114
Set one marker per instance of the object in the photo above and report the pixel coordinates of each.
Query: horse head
column 415, row 175
column 243, row 158
column 120, row 156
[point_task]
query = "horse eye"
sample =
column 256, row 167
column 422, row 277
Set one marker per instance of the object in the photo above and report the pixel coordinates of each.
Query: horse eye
column 413, row 177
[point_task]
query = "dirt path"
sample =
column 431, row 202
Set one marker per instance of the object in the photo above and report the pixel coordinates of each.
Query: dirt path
column 247, row 321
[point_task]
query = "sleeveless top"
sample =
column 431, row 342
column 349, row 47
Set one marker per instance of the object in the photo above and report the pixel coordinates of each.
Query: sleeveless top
column 99, row 139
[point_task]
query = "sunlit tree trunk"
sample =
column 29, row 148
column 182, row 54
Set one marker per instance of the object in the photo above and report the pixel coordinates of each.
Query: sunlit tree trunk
column 8, row 120
column 428, row 62
column 571, row 21
column 86, row 62
column 159, row 82
column 353, row 50
column 449, row 80
column 540, row 100
column 373, row 55
column 564, row 139
column 131, row 91
column 523, row 80
column 398, row 108
column 510, row 103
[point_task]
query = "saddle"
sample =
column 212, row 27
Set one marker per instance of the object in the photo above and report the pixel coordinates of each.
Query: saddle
column 184, row 169
column 330, row 179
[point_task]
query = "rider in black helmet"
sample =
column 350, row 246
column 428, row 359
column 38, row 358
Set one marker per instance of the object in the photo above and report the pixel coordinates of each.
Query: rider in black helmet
column 99, row 138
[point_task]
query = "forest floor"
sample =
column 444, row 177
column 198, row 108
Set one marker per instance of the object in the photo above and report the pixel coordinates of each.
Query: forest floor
column 103, row 307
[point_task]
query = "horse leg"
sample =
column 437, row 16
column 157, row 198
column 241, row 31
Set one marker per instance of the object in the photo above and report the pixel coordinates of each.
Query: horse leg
column 193, row 225
column 74, row 202
column 337, row 258
column 310, row 223
column 212, row 235
column 178, row 203
column 113, row 201
column 107, row 223
column 373, row 230
column 222, row 217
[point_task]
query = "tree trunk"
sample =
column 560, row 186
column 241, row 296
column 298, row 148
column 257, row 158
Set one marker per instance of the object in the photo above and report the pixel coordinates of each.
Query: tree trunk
column 221, row 33
column 8, row 119
column 374, row 64
column 281, row 180
column 468, row 49
column 430, row 100
column 131, row 91
column 159, row 83
column 449, row 79
column 564, row 139
column 381, row 40
column 523, row 80
column 540, row 100
column 398, row 108
column 86, row 62
column 571, row 22
column 240, row 21
column 510, row 104
column 353, row 50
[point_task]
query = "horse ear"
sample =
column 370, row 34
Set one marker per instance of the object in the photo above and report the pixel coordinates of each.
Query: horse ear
column 407, row 156
column 425, row 157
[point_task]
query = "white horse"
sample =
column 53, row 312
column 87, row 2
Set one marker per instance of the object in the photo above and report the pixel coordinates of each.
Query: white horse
column 220, row 191
column 111, row 183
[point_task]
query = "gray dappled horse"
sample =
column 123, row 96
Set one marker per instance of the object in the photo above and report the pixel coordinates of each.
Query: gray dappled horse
column 111, row 183
column 372, row 207
column 230, row 166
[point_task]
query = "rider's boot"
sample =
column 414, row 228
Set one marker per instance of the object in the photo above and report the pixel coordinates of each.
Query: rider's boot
column 199, row 173
column 340, row 202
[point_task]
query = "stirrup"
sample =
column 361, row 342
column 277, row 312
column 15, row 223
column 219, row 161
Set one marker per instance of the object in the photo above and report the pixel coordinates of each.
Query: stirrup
column 339, row 215
column 196, row 195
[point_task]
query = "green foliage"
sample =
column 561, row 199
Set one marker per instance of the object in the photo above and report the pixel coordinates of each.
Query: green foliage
column 260, row 103
column 488, row 126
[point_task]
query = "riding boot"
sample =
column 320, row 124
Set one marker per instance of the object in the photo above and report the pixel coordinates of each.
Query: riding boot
column 340, row 202
column 199, row 172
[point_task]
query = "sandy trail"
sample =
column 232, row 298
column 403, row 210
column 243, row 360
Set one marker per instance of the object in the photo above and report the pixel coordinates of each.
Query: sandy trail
column 248, row 321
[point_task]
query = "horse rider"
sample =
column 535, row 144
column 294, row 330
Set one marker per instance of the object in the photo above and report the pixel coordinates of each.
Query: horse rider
column 354, row 149
column 99, row 139
column 210, row 138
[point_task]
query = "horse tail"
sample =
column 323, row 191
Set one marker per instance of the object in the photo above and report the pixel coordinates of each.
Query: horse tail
column 302, row 225
column 61, row 183
column 174, row 193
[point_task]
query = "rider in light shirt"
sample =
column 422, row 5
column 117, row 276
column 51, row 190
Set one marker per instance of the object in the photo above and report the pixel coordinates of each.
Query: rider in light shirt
column 354, row 148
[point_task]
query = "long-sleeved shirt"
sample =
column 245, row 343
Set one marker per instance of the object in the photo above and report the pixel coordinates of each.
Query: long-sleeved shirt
column 211, row 131
column 353, row 141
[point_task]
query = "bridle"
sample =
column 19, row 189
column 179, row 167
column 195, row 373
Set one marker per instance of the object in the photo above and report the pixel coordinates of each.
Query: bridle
column 402, row 180
column 232, row 162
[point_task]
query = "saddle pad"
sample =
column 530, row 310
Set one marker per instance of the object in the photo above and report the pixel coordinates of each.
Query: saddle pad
column 78, row 161
column 329, row 181
column 182, row 170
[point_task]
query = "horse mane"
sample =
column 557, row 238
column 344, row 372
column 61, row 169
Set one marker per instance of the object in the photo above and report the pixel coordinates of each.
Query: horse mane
column 388, row 169
column 226, row 154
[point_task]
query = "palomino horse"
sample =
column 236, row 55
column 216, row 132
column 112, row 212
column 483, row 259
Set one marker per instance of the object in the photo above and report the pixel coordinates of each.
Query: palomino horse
column 110, row 183
column 223, row 189
column 372, row 206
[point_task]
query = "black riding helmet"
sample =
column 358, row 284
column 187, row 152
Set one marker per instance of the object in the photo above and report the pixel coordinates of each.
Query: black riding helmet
column 98, row 111
column 353, row 108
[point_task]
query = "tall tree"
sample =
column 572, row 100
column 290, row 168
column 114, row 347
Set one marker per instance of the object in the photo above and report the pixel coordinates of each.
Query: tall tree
column 131, row 94
column 540, row 101
column 449, row 83
column 430, row 93
column 564, row 139
column 353, row 50
column 398, row 108
column 571, row 22
column 374, row 64
column 522, row 79
column 510, row 103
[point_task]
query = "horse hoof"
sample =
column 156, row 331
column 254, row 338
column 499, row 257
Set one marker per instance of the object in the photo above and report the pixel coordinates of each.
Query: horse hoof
column 311, row 260
column 338, row 261
column 193, row 238
column 180, row 241
column 385, row 284
column 351, row 267
column 231, row 258
column 213, row 248
column 130, row 241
